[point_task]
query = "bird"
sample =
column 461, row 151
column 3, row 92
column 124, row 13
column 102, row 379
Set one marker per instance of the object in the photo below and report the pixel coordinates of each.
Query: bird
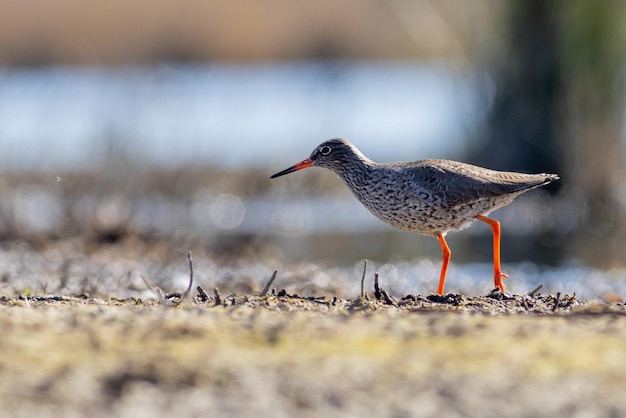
column 431, row 197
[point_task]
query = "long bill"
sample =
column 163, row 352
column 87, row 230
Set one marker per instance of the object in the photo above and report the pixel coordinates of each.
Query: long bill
column 300, row 166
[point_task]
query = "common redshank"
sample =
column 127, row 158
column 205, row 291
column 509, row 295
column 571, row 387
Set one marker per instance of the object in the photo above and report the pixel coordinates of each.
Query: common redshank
column 431, row 197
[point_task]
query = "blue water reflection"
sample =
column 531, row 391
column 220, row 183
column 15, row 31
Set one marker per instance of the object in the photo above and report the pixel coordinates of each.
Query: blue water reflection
column 231, row 115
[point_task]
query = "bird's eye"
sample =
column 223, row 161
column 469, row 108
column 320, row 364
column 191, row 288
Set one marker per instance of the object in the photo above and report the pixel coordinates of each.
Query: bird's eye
column 325, row 150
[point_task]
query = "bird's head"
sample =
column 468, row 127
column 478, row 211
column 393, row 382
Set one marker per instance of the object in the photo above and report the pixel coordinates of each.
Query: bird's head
column 335, row 154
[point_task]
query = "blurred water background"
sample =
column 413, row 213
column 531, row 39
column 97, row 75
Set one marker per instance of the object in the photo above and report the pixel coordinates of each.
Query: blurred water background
column 102, row 139
column 232, row 116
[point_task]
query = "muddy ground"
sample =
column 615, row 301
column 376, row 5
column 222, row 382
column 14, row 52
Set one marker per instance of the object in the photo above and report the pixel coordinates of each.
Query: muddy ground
column 86, row 333
column 286, row 355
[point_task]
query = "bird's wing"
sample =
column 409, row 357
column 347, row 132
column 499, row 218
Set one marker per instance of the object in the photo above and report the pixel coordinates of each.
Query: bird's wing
column 459, row 183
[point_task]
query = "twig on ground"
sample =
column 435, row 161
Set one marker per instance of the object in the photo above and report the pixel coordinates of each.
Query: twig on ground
column 266, row 288
column 218, row 298
column 382, row 293
column 185, row 294
column 363, row 278
column 556, row 301
column 202, row 295
column 389, row 300
column 156, row 289
column 377, row 294
column 169, row 299
column 535, row 290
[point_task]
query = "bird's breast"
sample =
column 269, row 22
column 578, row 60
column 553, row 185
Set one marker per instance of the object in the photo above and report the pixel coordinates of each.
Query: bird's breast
column 401, row 202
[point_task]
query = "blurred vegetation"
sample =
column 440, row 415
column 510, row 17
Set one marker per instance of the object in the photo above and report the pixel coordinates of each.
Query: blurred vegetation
column 559, row 108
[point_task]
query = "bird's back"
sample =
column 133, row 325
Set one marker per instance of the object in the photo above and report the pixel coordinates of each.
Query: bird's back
column 460, row 183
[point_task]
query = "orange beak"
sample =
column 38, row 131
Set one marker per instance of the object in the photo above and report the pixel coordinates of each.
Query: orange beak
column 300, row 166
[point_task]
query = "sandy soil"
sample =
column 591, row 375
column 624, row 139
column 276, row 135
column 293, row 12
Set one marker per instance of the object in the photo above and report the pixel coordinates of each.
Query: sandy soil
column 287, row 355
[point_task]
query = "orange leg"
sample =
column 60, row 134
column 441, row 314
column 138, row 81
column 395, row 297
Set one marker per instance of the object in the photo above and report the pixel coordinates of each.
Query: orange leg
column 446, row 260
column 497, row 273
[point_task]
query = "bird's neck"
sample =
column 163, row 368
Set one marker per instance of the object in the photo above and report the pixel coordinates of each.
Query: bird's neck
column 357, row 172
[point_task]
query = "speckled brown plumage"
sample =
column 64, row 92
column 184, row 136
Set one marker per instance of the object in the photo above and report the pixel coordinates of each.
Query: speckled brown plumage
column 431, row 197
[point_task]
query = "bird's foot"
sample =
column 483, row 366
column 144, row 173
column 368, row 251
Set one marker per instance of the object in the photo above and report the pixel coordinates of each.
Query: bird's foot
column 497, row 280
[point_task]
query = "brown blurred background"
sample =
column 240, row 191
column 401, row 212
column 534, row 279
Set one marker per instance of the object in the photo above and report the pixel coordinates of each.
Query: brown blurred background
column 147, row 31
column 550, row 75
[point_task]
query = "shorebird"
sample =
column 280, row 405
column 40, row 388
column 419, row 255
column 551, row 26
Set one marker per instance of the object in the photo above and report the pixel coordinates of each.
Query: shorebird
column 431, row 197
